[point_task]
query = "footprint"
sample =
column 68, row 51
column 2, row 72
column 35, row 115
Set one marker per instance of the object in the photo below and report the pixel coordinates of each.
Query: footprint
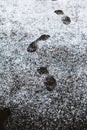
column 42, row 70
column 50, row 83
column 66, row 20
column 59, row 12
column 43, row 37
column 32, row 47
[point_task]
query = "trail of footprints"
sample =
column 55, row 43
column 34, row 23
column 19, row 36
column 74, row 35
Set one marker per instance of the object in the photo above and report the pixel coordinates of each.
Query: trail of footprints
column 50, row 81
column 34, row 45
column 65, row 19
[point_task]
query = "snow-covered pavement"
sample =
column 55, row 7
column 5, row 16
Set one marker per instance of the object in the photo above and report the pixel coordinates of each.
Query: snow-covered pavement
column 37, row 104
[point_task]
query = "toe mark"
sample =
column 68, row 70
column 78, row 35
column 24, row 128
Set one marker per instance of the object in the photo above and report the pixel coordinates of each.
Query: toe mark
column 42, row 70
column 44, row 37
column 59, row 12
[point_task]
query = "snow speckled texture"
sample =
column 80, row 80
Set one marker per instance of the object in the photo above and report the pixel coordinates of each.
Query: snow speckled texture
column 64, row 54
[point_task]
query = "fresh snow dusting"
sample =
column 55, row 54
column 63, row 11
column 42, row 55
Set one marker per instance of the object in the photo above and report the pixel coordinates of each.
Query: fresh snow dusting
column 63, row 53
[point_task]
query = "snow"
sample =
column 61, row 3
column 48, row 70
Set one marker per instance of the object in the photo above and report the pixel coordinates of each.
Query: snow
column 27, row 93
